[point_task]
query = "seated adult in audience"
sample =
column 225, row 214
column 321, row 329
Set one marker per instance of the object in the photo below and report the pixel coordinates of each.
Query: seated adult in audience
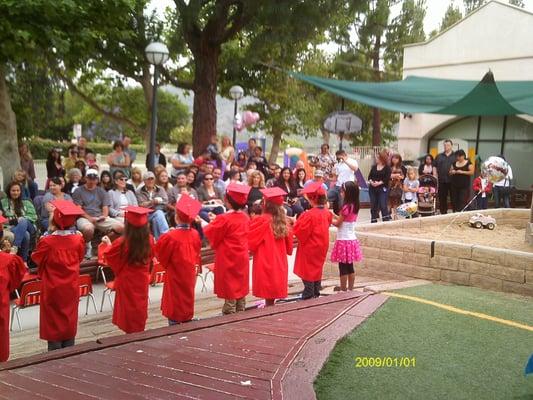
column 95, row 203
column 119, row 174
column 54, row 193
column 300, row 178
column 106, row 181
column 211, row 198
column 159, row 158
column 274, row 172
column 118, row 159
column 233, row 177
column 259, row 159
column 256, row 181
column 80, row 164
column 161, row 179
column 318, row 176
column 242, row 160
column 181, row 160
column 218, row 182
column 191, row 179
column 22, row 217
column 54, row 165
column 179, row 188
column 252, row 143
column 27, row 165
column 74, row 181
column 120, row 197
column 72, row 157
column 154, row 198
column 82, row 144
column 90, row 160
column 20, row 177
column 286, row 182
column 136, row 179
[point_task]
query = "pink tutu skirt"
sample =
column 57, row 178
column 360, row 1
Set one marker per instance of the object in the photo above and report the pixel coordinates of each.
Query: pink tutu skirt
column 346, row 251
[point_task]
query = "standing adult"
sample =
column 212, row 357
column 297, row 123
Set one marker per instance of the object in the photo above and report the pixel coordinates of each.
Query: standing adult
column 27, row 165
column 345, row 171
column 159, row 158
column 460, row 172
column 324, row 162
column 398, row 174
column 95, row 203
column 227, row 152
column 252, row 143
column 378, row 187
column 443, row 163
column 22, row 217
column 181, row 160
column 72, row 157
column 259, row 159
column 128, row 150
column 502, row 189
column 212, row 148
column 119, row 160
column 54, row 165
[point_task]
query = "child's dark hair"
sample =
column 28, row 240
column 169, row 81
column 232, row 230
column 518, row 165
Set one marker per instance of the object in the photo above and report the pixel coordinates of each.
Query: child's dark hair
column 136, row 244
column 319, row 200
column 351, row 196
column 255, row 209
column 234, row 205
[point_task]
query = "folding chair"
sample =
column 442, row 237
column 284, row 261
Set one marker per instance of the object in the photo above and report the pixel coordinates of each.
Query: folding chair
column 158, row 274
column 86, row 290
column 203, row 278
column 30, row 295
column 109, row 287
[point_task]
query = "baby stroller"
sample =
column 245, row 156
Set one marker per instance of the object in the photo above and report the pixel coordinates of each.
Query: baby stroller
column 427, row 195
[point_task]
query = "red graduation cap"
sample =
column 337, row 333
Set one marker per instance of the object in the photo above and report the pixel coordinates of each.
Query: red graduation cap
column 187, row 207
column 314, row 189
column 3, row 219
column 239, row 193
column 65, row 213
column 274, row 195
column 137, row 216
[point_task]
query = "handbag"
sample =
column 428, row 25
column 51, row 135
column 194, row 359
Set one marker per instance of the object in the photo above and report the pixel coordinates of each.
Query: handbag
column 507, row 189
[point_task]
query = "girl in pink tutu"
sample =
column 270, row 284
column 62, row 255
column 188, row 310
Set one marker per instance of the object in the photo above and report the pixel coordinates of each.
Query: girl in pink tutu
column 346, row 249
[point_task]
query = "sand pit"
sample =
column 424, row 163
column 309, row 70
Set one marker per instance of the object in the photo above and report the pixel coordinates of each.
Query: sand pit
column 503, row 236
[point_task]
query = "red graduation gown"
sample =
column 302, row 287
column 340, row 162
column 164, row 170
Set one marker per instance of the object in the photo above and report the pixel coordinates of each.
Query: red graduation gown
column 130, row 310
column 58, row 256
column 312, row 231
column 178, row 251
column 228, row 236
column 12, row 269
column 270, row 266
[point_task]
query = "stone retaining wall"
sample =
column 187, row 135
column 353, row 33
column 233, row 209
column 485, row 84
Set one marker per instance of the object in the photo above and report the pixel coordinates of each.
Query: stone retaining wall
column 453, row 262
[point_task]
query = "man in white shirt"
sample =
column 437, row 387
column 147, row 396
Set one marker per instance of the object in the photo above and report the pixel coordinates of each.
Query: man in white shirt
column 344, row 169
column 502, row 189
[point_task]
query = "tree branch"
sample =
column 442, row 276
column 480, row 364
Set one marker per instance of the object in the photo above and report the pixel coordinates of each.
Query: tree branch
column 187, row 85
column 91, row 102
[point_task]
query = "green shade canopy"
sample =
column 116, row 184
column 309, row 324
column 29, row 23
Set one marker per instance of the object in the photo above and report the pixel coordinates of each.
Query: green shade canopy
column 436, row 96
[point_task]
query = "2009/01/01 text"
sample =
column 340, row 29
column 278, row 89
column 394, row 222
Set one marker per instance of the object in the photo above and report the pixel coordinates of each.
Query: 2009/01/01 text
column 385, row 362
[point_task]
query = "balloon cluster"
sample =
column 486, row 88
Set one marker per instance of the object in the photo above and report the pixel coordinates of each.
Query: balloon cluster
column 407, row 209
column 495, row 169
column 247, row 119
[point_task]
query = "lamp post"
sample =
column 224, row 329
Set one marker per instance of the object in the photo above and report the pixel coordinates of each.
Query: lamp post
column 156, row 54
column 236, row 92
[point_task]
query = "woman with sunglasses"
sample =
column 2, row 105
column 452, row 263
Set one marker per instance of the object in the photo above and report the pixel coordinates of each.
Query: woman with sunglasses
column 120, row 197
column 211, row 197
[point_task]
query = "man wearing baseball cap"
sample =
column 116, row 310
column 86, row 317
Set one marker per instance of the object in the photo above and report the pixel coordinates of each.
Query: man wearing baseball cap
column 95, row 203
column 155, row 198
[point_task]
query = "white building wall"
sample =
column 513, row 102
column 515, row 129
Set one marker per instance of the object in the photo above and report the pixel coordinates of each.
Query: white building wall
column 497, row 36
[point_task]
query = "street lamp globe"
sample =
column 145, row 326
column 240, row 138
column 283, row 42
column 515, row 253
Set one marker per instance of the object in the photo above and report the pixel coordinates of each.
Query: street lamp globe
column 236, row 92
column 156, row 53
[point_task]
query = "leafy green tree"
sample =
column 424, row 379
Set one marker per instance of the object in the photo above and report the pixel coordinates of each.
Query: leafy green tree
column 518, row 3
column 451, row 16
column 471, row 5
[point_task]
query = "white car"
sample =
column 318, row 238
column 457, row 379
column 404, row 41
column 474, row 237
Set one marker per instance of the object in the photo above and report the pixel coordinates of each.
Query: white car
column 481, row 221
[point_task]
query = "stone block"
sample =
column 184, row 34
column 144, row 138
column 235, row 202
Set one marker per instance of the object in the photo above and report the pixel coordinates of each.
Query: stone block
column 524, row 289
column 443, row 262
column 518, row 260
column 416, row 259
column 378, row 240
column 488, row 255
column 402, row 244
column 422, row 246
column 413, row 223
column 529, row 277
column 363, row 238
column 457, row 277
column 431, row 274
column 391, row 255
column 508, row 274
column 376, row 264
column 370, row 252
column 473, row 267
column 453, row 249
column 486, row 282
column 401, row 269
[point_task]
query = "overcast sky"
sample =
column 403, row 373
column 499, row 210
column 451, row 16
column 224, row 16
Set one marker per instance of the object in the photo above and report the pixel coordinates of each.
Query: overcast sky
column 435, row 10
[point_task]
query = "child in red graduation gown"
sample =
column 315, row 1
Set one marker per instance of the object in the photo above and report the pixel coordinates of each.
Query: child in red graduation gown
column 178, row 251
column 270, row 241
column 312, row 231
column 228, row 236
column 130, row 258
column 58, row 256
column 12, row 269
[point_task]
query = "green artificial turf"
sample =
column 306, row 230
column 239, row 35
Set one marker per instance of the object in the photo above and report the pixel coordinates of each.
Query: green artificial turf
column 457, row 356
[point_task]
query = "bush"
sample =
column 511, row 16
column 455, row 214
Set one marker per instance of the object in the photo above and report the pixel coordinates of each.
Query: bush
column 39, row 147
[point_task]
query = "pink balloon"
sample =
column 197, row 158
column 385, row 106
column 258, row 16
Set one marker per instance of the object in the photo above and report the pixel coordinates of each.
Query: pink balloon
column 250, row 118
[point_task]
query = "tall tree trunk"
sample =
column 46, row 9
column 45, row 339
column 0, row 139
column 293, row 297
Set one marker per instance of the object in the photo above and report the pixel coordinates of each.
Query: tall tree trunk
column 276, row 141
column 204, row 123
column 9, row 155
column 376, row 113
